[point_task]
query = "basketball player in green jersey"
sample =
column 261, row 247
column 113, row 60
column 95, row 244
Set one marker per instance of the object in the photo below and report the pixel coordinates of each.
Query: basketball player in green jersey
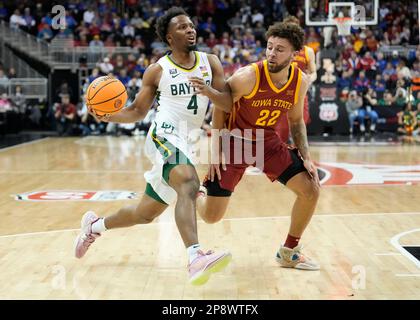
column 407, row 120
column 417, row 126
column 182, row 108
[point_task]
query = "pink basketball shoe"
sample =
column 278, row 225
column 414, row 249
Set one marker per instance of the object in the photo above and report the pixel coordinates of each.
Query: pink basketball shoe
column 86, row 237
column 205, row 264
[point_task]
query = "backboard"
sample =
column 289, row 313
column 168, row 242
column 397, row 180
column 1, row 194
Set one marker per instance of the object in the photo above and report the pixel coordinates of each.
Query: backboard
column 323, row 12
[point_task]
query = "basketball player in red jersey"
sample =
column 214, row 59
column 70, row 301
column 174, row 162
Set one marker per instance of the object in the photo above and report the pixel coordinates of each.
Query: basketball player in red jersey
column 305, row 61
column 265, row 95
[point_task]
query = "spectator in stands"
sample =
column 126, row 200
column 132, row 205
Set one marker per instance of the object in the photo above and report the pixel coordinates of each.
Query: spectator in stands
column 118, row 64
column 45, row 32
column 211, row 41
column 256, row 17
column 202, row 45
column 236, row 21
column 65, row 116
column 37, row 113
column 4, row 82
column 64, row 90
column 64, row 34
column 89, row 15
column 96, row 43
column 12, row 73
column 10, row 114
column 137, row 21
column 367, row 111
column 380, row 62
column 19, row 100
column 105, row 67
column 16, row 20
column 279, row 9
column 259, row 31
column 353, row 104
column 82, row 41
column 88, row 124
column 387, row 100
column 379, row 84
column 93, row 75
column 361, row 83
column 5, row 104
column 133, row 87
column 345, row 81
column 30, row 24
column 71, row 22
column 401, row 97
column 123, row 77
column 351, row 63
column 403, row 71
column 371, row 42
column 313, row 40
column 368, row 64
column 129, row 31
column 389, row 83
column 395, row 58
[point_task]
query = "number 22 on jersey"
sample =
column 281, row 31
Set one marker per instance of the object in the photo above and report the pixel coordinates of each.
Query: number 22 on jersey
column 268, row 118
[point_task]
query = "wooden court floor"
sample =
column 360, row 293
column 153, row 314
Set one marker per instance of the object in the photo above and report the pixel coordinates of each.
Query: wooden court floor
column 359, row 234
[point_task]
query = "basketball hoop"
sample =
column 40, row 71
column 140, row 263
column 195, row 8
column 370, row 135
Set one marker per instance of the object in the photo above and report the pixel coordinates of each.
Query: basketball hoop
column 343, row 25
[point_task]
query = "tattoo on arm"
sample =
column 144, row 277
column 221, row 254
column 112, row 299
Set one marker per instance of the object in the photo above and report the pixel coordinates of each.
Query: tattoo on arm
column 300, row 138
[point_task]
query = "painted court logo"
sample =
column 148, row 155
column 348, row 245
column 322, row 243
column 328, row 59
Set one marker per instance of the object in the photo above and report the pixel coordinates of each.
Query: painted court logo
column 71, row 195
column 347, row 174
column 339, row 174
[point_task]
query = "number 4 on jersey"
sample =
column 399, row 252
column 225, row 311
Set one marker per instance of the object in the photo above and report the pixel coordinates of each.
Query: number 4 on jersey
column 192, row 105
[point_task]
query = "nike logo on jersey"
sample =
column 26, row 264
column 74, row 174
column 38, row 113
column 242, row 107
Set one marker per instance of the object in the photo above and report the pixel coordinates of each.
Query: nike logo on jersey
column 262, row 90
column 175, row 75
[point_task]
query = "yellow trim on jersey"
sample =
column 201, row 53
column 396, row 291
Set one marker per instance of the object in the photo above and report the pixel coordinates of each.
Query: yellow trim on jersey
column 306, row 55
column 257, row 82
column 162, row 145
column 272, row 86
column 197, row 62
column 298, row 84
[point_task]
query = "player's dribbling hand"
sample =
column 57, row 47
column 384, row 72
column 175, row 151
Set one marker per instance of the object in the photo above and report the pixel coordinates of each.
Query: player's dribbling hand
column 312, row 170
column 103, row 118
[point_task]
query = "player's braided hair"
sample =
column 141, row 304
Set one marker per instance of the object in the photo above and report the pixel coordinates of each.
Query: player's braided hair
column 163, row 21
column 290, row 31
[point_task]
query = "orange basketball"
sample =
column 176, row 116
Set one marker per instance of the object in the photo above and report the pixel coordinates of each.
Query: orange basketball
column 106, row 95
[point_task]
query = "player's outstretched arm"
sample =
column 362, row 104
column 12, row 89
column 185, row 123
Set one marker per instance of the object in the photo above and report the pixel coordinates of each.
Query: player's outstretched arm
column 218, row 92
column 143, row 101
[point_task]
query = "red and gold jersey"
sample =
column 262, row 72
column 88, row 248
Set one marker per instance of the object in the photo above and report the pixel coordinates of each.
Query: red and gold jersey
column 301, row 59
column 266, row 106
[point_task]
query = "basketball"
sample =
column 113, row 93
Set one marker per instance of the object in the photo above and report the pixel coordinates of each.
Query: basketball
column 106, row 95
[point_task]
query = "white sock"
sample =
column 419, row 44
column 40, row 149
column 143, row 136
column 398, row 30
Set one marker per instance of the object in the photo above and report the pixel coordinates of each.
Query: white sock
column 192, row 252
column 99, row 226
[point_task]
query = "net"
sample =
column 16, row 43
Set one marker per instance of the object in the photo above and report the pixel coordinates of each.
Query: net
column 343, row 25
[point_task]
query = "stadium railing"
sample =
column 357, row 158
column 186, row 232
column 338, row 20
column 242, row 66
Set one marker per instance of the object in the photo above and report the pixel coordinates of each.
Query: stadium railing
column 60, row 52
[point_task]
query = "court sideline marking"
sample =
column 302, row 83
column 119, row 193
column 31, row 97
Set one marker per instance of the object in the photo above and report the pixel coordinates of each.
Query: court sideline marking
column 396, row 243
column 233, row 219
